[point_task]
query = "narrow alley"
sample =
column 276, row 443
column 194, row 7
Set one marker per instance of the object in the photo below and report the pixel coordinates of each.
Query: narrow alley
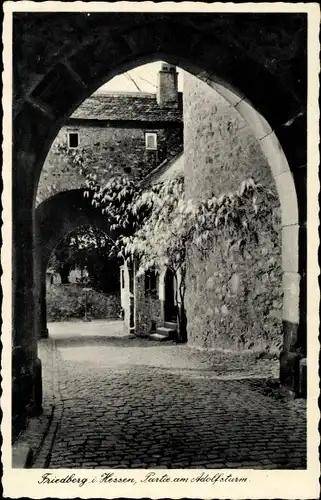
column 136, row 403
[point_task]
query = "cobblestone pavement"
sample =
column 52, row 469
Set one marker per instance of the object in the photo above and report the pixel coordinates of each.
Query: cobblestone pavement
column 136, row 403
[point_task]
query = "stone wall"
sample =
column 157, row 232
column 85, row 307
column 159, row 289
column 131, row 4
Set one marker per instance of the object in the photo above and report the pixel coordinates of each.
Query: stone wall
column 231, row 302
column 111, row 132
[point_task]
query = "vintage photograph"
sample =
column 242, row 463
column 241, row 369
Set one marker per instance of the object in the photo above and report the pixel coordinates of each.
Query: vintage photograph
column 159, row 242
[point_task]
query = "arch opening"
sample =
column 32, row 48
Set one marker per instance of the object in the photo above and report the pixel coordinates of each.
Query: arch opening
column 272, row 150
column 281, row 174
column 57, row 217
column 81, row 262
column 44, row 111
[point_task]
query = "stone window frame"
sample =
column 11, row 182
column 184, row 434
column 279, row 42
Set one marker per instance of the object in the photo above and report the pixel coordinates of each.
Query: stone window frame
column 149, row 135
column 69, row 133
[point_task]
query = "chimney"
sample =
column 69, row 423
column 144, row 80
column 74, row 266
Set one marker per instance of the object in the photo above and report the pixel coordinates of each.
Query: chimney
column 167, row 93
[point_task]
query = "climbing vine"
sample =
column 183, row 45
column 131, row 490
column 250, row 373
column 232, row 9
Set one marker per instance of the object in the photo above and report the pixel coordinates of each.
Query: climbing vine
column 156, row 226
column 236, row 219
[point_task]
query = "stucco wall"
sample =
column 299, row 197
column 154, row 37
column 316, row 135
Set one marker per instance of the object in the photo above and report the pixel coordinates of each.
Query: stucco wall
column 231, row 302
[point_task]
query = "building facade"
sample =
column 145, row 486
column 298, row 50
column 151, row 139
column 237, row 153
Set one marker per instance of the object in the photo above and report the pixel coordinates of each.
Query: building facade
column 118, row 134
column 141, row 135
column 231, row 302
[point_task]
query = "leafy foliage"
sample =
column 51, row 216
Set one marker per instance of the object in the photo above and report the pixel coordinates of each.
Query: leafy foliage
column 78, row 159
column 68, row 302
column 126, row 205
column 117, row 199
column 235, row 219
column 157, row 225
column 87, row 248
column 173, row 222
column 161, row 238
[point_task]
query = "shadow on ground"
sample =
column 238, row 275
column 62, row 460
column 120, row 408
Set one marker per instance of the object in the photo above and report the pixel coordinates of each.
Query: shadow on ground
column 125, row 341
column 169, row 406
column 145, row 419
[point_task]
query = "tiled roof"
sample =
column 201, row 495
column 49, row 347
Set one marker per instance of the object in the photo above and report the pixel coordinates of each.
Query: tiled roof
column 126, row 106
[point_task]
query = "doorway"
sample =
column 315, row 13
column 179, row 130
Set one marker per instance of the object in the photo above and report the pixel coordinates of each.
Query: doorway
column 170, row 307
column 131, row 299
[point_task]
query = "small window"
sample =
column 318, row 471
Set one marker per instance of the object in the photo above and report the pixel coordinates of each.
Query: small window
column 73, row 140
column 122, row 278
column 151, row 141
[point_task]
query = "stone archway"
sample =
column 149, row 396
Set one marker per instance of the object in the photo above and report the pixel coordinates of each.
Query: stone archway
column 55, row 218
column 249, row 74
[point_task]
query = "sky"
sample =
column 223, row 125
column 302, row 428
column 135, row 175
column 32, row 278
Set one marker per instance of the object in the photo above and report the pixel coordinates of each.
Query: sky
column 145, row 78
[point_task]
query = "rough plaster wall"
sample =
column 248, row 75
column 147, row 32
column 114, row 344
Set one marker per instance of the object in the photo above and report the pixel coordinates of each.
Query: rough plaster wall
column 118, row 147
column 231, row 302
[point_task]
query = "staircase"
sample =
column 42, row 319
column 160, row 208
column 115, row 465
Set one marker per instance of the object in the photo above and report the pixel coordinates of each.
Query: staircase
column 166, row 332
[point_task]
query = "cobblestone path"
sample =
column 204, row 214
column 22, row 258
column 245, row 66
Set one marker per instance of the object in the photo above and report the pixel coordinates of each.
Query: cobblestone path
column 134, row 403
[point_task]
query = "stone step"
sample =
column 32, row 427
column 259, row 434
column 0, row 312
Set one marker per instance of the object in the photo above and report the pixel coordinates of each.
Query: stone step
column 169, row 332
column 171, row 325
column 163, row 330
column 159, row 337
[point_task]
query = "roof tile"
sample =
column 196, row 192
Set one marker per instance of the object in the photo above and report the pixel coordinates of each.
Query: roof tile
column 127, row 106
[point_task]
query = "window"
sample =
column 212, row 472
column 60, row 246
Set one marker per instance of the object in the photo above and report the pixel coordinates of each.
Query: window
column 122, row 278
column 73, row 140
column 151, row 141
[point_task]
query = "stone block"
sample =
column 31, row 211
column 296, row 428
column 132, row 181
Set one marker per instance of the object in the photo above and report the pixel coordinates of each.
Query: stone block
column 288, row 198
column 294, row 132
column 257, row 122
column 290, row 248
column 232, row 96
column 274, row 154
column 291, row 295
